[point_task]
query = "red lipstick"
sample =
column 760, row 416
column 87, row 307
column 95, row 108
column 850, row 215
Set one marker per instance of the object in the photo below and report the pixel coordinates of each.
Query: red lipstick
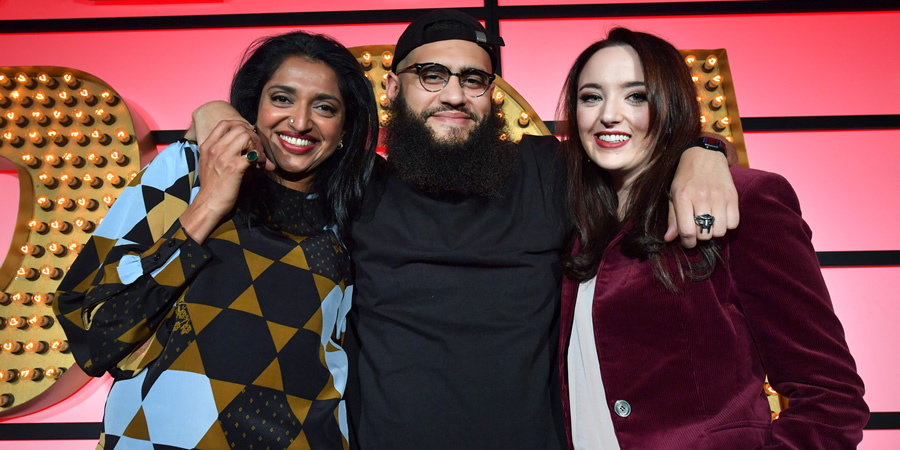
column 610, row 145
column 296, row 148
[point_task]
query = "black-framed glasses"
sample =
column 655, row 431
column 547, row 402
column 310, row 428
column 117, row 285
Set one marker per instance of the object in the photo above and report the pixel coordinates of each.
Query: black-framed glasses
column 434, row 77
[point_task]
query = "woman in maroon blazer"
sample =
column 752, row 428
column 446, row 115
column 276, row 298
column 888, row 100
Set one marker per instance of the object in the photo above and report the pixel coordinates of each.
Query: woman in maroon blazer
column 684, row 339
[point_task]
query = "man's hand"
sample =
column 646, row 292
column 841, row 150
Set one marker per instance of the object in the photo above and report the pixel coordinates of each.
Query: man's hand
column 702, row 185
column 205, row 118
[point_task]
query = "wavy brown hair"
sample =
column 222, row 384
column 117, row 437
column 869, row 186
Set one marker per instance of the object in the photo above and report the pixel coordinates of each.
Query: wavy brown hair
column 591, row 198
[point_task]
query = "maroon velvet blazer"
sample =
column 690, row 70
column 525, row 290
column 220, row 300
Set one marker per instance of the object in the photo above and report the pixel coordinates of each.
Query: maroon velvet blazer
column 691, row 366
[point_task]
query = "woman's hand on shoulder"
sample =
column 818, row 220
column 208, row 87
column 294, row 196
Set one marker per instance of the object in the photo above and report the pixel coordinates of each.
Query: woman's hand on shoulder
column 223, row 163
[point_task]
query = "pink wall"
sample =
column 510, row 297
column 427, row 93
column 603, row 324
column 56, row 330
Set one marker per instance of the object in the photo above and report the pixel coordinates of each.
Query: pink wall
column 783, row 65
column 841, row 178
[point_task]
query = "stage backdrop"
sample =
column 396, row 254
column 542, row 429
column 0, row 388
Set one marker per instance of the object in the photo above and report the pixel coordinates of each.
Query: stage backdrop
column 817, row 83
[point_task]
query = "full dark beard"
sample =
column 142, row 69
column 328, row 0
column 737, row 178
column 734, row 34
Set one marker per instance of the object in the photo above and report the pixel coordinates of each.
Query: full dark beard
column 478, row 165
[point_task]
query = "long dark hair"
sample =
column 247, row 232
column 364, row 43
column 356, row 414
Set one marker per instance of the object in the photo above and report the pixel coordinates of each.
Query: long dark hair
column 341, row 179
column 591, row 198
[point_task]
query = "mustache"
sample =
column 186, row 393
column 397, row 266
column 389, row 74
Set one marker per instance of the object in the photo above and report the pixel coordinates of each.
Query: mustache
column 443, row 108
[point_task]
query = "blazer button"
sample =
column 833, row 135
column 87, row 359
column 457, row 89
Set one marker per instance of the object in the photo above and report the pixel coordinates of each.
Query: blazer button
column 622, row 408
column 156, row 256
column 171, row 243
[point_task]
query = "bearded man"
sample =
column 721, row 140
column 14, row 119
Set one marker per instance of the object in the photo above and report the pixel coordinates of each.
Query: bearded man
column 457, row 261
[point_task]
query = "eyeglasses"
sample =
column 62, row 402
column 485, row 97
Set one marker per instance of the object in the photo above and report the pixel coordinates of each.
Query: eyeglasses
column 434, row 77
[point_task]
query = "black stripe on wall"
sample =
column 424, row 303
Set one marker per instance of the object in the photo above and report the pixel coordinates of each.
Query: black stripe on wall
column 284, row 19
column 820, row 123
column 808, row 123
column 91, row 430
column 491, row 18
column 49, row 431
column 166, row 137
column 884, row 421
column 693, row 8
column 859, row 258
column 491, row 13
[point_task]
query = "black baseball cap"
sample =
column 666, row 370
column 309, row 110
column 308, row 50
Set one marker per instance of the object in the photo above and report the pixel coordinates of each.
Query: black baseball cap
column 445, row 25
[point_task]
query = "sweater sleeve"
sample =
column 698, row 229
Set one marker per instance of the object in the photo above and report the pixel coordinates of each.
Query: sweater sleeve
column 800, row 340
column 132, row 270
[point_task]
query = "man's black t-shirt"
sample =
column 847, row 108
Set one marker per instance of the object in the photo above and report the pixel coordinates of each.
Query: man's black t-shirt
column 454, row 319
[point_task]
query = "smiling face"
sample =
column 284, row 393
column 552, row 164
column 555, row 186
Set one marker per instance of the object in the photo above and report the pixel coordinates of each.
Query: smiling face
column 307, row 92
column 613, row 113
column 449, row 113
